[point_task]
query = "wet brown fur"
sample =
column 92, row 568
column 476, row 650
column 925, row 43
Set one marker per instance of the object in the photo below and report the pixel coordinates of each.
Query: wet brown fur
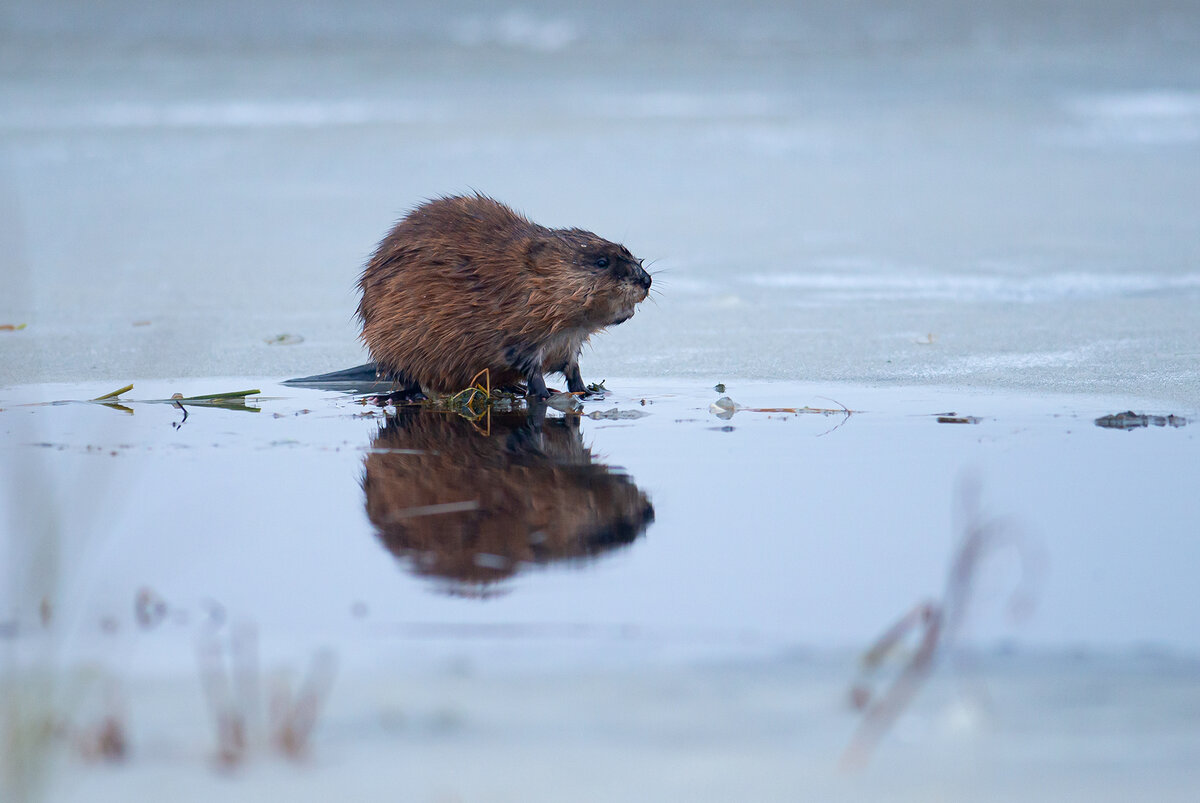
column 465, row 283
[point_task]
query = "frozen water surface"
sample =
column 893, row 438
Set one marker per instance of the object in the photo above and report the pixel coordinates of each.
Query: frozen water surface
column 922, row 210
column 818, row 187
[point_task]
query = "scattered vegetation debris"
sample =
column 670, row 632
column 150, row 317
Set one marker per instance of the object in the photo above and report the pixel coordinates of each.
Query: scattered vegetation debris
column 114, row 394
column 283, row 340
column 473, row 401
column 958, row 419
column 597, row 387
column 12, row 327
column 231, row 400
column 141, row 323
column 928, row 340
column 725, row 407
column 719, row 387
column 46, row 611
column 934, row 624
column 1131, row 420
column 149, row 608
column 217, row 398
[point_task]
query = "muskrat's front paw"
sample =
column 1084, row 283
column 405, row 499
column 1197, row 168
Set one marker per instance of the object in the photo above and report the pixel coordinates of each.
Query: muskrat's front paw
column 537, row 387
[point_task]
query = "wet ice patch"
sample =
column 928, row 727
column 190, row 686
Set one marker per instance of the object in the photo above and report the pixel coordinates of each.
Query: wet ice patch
column 1017, row 361
column 1151, row 117
column 217, row 114
column 902, row 285
column 516, row 29
column 682, row 105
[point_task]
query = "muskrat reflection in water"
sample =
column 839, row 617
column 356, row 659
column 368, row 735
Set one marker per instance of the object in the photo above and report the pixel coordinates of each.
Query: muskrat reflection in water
column 472, row 508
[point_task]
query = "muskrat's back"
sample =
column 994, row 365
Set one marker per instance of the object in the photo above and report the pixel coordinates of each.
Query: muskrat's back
column 465, row 283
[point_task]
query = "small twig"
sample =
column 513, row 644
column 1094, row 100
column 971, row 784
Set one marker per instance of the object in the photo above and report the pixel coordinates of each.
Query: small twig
column 115, row 393
column 845, row 411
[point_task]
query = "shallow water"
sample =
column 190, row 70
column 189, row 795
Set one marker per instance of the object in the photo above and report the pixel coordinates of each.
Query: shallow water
column 298, row 523
column 306, row 504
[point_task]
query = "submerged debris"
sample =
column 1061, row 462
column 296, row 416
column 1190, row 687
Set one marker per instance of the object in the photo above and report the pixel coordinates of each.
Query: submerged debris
column 149, row 608
column 958, row 419
column 106, row 739
column 1131, row 420
column 11, row 327
column 283, row 340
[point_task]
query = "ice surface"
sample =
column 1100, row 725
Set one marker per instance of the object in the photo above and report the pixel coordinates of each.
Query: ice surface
column 817, row 186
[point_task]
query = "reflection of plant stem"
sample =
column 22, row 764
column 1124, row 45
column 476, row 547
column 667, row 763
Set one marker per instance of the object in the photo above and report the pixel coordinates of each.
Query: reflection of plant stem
column 941, row 620
column 180, row 423
column 881, row 715
column 233, row 697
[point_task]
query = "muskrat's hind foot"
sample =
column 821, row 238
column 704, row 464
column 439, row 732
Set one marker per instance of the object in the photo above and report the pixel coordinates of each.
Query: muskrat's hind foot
column 575, row 380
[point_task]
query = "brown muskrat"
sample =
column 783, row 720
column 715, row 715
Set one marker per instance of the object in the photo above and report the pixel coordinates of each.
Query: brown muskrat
column 473, row 510
column 465, row 283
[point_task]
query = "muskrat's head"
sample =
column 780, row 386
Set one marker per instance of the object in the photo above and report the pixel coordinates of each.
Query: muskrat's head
column 608, row 280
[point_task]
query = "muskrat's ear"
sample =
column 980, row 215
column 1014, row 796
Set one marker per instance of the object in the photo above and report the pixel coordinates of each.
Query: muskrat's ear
column 534, row 252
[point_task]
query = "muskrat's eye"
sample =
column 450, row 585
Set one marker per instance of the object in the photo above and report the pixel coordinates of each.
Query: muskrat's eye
column 602, row 262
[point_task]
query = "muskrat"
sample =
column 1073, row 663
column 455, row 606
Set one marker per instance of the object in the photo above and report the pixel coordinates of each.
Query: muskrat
column 465, row 283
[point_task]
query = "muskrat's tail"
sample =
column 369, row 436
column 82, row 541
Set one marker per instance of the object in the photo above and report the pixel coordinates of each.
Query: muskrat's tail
column 365, row 378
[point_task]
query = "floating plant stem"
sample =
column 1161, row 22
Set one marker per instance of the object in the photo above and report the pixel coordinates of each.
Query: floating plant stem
column 115, row 393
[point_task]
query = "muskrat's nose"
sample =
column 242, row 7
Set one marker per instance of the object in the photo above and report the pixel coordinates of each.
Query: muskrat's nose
column 642, row 278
